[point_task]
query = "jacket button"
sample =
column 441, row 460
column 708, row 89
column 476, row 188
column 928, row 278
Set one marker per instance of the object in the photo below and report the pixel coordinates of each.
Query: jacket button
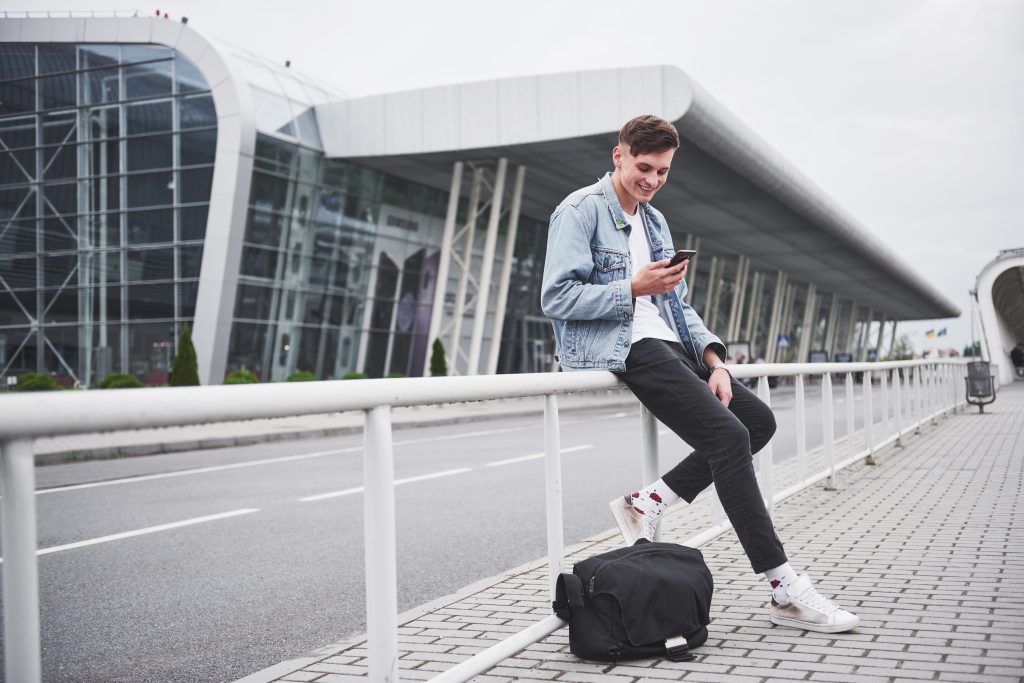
column 626, row 343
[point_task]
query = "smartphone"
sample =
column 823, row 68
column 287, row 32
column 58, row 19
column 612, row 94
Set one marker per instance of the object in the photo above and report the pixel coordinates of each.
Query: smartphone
column 680, row 256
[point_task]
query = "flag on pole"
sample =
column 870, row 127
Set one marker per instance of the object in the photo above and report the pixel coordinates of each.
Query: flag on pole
column 942, row 332
column 930, row 334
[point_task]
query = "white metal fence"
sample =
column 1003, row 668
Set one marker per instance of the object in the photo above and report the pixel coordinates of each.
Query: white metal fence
column 913, row 393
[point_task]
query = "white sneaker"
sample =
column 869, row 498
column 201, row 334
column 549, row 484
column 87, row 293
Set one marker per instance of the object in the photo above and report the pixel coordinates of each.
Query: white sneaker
column 807, row 609
column 632, row 523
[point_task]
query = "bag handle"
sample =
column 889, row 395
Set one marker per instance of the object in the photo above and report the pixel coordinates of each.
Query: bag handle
column 568, row 594
column 678, row 650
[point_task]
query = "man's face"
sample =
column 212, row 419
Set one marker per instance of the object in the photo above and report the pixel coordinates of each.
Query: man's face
column 642, row 175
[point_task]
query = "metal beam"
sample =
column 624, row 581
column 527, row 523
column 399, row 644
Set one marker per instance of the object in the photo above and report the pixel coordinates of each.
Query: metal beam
column 441, row 284
column 467, row 262
column 506, row 270
column 809, row 320
column 483, row 290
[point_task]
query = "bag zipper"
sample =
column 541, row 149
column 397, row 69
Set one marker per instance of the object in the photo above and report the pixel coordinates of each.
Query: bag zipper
column 591, row 587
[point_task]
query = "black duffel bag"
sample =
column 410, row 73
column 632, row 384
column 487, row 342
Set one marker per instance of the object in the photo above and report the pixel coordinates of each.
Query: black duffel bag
column 643, row 601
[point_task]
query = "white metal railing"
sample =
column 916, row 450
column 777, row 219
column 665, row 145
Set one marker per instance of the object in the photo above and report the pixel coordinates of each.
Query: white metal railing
column 933, row 392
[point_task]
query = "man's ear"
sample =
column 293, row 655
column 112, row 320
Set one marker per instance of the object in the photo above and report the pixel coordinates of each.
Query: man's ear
column 617, row 155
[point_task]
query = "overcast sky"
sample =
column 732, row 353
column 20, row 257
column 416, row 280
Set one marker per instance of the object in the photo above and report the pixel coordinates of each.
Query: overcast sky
column 909, row 114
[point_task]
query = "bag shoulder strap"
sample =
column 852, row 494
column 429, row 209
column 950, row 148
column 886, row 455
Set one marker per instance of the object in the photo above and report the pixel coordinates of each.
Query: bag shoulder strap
column 568, row 594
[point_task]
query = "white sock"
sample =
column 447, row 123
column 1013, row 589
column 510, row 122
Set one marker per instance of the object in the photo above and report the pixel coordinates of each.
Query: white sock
column 654, row 500
column 780, row 579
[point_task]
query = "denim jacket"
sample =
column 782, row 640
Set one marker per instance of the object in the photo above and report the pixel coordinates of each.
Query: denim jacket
column 587, row 282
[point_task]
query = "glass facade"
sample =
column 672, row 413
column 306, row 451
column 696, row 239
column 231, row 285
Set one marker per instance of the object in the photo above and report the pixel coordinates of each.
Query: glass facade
column 106, row 162
column 339, row 269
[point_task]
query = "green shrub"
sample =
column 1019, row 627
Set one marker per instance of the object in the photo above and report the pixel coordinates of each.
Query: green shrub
column 396, row 375
column 35, row 381
column 354, row 375
column 185, row 372
column 117, row 380
column 438, row 365
column 302, row 376
column 242, row 376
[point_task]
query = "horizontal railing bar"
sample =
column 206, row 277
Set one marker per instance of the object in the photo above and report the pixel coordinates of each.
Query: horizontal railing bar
column 40, row 414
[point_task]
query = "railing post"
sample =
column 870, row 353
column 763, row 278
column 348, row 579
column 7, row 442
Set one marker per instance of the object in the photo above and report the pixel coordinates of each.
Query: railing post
column 801, row 429
column 649, row 452
column 869, row 418
column 883, row 384
column 553, row 488
column 933, row 392
column 897, row 404
column 22, row 660
column 918, row 399
column 765, row 464
column 827, row 430
column 850, row 420
column 381, row 567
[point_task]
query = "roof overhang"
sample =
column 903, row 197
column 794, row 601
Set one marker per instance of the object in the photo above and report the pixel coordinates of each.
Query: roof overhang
column 728, row 187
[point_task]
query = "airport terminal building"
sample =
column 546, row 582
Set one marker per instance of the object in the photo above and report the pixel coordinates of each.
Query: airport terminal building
column 151, row 176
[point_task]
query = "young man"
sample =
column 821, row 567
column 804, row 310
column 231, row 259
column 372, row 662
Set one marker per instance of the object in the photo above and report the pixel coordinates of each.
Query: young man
column 616, row 305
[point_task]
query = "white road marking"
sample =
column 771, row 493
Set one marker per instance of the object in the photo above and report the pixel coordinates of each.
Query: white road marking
column 200, row 470
column 535, row 456
column 398, row 482
column 147, row 530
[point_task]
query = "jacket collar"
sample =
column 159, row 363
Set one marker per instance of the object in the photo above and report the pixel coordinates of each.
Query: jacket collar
column 612, row 199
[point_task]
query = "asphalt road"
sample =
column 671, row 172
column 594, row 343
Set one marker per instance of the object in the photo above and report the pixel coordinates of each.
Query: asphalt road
column 208, row 566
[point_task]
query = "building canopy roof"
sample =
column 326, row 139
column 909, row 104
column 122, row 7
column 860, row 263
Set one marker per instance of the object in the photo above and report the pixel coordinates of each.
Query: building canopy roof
column 728, row 187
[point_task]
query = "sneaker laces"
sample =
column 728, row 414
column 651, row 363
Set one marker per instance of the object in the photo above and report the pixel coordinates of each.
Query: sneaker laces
column 816, row 601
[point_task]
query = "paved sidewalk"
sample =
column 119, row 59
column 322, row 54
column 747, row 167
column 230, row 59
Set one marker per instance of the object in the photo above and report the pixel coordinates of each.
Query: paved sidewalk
column 131, row 443
column 920, row 546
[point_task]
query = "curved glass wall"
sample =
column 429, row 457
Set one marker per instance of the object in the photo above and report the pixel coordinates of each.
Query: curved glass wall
column 339, row 268
column 106, row 161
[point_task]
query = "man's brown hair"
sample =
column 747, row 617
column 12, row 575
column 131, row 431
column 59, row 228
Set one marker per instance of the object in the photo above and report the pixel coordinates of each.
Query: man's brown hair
column 646, row 134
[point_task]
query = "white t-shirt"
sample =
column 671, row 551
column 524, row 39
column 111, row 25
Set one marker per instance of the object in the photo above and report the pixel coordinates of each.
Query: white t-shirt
column 646, row 321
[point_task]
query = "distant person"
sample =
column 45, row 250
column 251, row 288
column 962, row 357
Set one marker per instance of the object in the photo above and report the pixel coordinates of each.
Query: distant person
column 616, row 304
column 1017, row 356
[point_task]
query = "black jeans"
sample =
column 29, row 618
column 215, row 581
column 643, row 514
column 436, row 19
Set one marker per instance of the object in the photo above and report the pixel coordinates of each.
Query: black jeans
column 674, row 388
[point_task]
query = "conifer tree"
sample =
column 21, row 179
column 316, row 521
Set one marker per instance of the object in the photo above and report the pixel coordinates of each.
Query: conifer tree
column 185, row 371
column 438, row 366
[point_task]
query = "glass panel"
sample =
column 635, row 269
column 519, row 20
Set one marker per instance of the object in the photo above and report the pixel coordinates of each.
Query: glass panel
column 17, row 167
column 19, row 273
column 145, row 265
column 58, row 234
column 61, row 306
column 17, row 203
column 150, row 189
column 99, row 55
column 17, row 61
column 264, row 228
column 60, row 162
column 57, row 270
column 57, row 58
column 144, row 53
column 195, row 185
column 59, row 128
column 57, row 92
column 198, row 147
column 274, row 155
column 259, row 263
column 103, row 123
column 18, row 132
column 192, row 222
column 99, row 267
column 148, row 117
column 190, row 259
column 102, row 85
column 147, row 80
column 155, row 151
column 188, row 294
column 254, row 302
column 187, row 76
column 308, row 129
column 17, row 97
column 273, row 113
column 151, row 301
column 196, row 112
column 150, row 227
column 104, row 194
column 60, row 199
column 11, row 313
column 269, row 192
column 247, row 347
column 151, row 352
column 17, row 238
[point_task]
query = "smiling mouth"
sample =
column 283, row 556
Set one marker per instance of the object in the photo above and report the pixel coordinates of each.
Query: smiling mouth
column 644, row 188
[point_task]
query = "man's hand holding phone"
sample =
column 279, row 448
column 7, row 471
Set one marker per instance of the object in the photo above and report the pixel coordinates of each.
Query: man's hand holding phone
column 661, row 276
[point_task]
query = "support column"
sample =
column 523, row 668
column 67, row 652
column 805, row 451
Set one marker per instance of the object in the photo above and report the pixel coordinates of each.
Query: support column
column 810, row 317
column 714, row 288
column 755, row 303
column 830, row 331
column 849, row 328
column 865, row 334
column 467, row 257
column 483, row 289
column 506, row 271
column 892, row 339
column 773, row 321
column 739, row 294
column 878, row 343
column 441, row 288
